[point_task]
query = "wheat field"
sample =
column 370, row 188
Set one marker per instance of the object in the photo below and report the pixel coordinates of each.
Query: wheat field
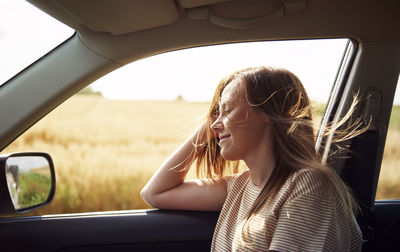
column 104, row 151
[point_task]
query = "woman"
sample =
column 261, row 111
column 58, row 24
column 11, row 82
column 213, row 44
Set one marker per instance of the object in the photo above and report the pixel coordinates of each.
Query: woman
column 288, row 199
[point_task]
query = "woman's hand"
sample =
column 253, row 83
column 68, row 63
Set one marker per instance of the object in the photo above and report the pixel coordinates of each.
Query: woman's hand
column 168, row 188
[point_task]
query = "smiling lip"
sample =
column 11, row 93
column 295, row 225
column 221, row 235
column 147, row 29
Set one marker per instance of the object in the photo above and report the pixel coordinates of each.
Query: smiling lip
column 222, row 137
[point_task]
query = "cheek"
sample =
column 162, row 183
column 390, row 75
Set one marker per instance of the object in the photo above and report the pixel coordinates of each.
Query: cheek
column 241, row 136
column 238, row 116
column 247, row 134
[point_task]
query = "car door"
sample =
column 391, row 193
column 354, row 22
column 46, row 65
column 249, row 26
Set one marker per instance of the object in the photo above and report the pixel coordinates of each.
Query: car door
column 370, row 65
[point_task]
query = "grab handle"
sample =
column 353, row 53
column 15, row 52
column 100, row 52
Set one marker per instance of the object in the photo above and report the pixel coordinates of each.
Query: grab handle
column 247, row 23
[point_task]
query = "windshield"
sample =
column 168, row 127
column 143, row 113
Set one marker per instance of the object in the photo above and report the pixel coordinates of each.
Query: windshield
column 26, row 34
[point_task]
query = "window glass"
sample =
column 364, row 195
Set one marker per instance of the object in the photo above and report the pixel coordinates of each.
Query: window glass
column 109, row 139
column 26, row 34
column 389, row 177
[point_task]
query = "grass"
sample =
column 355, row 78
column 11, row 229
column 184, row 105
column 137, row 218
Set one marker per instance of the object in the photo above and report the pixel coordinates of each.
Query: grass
column 34, row 188
column 389, row 186
column 104, row 151
column 395, row 118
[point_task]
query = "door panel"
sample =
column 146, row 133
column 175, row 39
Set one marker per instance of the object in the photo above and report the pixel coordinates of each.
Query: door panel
column 387, row 226
column 151, row 230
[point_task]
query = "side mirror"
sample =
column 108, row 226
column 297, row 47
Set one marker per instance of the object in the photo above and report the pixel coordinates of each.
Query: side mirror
column 27, row 181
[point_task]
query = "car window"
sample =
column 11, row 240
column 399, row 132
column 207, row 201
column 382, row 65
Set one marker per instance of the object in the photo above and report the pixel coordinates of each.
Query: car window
column 26, row 34
column 107, row 140
column 389, row 177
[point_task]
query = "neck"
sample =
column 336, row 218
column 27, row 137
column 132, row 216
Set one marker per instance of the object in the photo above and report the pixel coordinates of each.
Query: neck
column 261, row 163
column 261, row 170
column 261, row 159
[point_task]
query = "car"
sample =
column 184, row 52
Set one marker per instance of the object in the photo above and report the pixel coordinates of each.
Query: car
column 110, row 34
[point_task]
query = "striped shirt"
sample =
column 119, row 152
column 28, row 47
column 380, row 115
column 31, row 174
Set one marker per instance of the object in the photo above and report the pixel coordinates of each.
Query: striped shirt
column 306, row 215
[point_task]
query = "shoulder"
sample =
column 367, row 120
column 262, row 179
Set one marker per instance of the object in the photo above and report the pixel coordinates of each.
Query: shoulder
column 310, row 182
column 238, row 180
column 311, row 192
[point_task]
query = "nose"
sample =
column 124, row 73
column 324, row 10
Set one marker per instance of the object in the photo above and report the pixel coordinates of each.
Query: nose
column 217, row 125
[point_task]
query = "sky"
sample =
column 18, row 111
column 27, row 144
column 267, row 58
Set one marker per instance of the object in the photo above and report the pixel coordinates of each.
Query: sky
column 192, row 73
column 28, row 163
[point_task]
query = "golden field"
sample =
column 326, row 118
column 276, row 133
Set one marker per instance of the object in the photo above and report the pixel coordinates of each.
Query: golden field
column 104, row 151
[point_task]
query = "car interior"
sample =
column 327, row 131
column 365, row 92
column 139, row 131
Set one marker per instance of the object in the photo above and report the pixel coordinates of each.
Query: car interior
column 111, row 34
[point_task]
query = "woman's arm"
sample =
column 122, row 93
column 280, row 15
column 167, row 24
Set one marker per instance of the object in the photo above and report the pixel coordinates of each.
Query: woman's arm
column 167, row 188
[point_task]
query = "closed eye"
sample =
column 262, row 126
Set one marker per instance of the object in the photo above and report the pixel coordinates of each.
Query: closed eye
column 225, row 110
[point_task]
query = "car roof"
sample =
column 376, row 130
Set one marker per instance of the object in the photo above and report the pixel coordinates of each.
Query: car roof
column 124, row 31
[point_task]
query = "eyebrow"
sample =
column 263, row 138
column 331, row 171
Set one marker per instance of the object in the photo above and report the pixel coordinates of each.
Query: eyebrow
column 220, row 104
column 224, row 104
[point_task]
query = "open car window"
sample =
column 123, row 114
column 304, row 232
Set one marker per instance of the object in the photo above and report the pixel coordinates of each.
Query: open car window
column 107, row 140
column 389, row 177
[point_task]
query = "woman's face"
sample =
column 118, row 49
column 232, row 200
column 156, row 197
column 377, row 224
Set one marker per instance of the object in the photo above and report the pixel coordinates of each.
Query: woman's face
column 239, row 127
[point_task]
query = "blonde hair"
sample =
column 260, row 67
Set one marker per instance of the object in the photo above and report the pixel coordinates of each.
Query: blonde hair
column 281, row 95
